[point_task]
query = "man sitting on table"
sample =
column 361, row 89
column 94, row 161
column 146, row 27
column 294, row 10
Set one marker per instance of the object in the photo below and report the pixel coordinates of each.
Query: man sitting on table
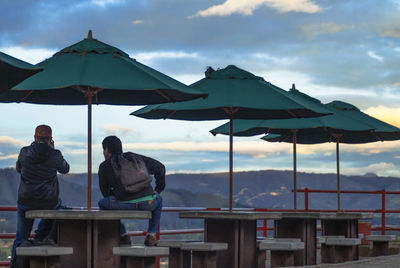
column 120, row 195
column 38, row 188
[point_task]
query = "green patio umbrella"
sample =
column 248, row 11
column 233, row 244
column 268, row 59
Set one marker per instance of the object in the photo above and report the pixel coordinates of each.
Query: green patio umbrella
column 337, row 127
column 14, row 71
column 94, row 72
column 234, row 93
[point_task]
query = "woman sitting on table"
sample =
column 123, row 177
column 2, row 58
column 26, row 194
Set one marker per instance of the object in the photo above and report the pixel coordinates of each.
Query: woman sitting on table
column 125, row 182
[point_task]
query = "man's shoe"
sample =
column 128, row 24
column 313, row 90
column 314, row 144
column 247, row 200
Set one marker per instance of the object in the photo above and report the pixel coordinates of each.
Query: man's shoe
column 44, row 242
column 125, row 240
column 150, row 240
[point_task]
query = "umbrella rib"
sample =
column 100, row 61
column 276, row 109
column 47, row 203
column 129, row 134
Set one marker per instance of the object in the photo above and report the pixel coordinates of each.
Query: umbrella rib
column 164, row 95
column 27, row 95
column 230, row 110
column 170, row 114
column 376, row 135
column 292, row 114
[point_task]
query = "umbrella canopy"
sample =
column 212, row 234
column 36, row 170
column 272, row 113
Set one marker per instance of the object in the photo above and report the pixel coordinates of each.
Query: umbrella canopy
column 234, row 93
column 13, row 71
column 93, row 68
column 346, row 124
column 92, row 71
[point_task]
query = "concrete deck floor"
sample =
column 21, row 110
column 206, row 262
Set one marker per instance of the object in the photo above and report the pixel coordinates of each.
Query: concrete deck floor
column 391, row 261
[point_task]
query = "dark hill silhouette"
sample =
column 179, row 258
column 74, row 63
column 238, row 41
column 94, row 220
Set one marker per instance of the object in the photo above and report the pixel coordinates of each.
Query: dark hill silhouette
column 261, row 189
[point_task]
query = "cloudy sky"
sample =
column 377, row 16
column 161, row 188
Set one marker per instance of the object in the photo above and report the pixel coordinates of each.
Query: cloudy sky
column 345, row 50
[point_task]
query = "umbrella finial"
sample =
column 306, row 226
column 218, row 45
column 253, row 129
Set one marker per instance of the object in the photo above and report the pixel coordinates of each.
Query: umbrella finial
column 293, row 87
column 89, row 35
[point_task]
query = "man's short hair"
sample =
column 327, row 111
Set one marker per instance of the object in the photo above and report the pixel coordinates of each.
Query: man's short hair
column 112, row 144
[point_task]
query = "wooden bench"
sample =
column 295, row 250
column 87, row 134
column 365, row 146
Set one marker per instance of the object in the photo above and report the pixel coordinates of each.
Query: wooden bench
column 380, row 244
column 322, row 239
column 282, row 251
column 338, row 249
column 177, row 258
column 44, row 256
column 139, row 256
column 204, row 254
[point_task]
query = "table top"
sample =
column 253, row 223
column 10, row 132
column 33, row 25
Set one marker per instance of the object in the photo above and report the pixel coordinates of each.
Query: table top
column 326, row 215
column 231, row 215
column 69, row 214
column 345, row 216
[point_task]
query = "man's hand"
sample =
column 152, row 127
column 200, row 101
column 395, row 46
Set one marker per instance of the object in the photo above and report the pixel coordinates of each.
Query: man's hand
column 159, row 188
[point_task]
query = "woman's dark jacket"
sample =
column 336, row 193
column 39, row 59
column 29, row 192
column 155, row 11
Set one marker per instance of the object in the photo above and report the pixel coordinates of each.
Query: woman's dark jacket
column 38, row 165
column 108, row 180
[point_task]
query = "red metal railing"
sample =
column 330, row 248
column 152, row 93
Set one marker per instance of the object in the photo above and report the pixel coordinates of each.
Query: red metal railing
column 382, row 211
column 264, row 228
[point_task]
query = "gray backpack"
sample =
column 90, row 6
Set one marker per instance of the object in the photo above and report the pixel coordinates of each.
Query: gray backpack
column 132, row 174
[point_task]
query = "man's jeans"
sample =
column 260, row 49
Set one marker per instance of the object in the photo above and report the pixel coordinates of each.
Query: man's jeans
column 24, row 227
column 155, row 206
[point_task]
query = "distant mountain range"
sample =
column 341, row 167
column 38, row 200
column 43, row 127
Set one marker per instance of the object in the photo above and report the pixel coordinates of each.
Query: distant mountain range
column 260, row 189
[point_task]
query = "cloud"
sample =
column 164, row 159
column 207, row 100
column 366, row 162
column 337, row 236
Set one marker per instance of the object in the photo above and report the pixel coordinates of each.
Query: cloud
column 138, row 22
column 247, row 7
column 11, row 141
column 382, row 168
column 386, row 114
column 31, row 55
column 10, row 156
column 104, row 3
column 324, row 28
column 113, row 129
column 374, row 56
column 256, row 149
column 157, row 55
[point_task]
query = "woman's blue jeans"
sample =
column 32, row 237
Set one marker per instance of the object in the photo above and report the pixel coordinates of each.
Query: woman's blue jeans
column 155, row 206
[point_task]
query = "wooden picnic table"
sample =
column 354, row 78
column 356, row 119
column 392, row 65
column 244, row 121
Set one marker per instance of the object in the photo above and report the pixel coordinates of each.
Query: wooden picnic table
column 344, row 224
column 303, row 225
column 238, row 229
column 91, row 233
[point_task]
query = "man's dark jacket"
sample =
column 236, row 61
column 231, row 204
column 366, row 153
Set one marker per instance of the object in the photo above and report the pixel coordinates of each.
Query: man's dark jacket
column 108, row 180
column 38, row 165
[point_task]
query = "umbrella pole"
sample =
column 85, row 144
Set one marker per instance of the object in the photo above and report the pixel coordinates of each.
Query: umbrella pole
column 338, row 174
column 89, row 194
column 294, row 170
column 230, row 162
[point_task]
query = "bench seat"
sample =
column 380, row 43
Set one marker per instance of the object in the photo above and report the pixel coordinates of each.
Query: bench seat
column 139, row 256
column 204, row 254
column 44, row 256
column 282, row 251
column 380, row 244
column 177, row 258
column 339, row 249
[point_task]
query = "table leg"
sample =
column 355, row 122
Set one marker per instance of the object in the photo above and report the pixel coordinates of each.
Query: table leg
column 72, row 233
column 241, row 238
column 248, row 255
column 348, row 228
column 226, row 231
column 306, row 231
column 106, row 235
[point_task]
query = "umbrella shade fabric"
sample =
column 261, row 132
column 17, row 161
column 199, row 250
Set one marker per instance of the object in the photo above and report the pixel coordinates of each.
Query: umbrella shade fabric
column 13, row 71
column 92, row 71
column 379, row 130
column 108, row 73
column 233, row 92
column 337, row 127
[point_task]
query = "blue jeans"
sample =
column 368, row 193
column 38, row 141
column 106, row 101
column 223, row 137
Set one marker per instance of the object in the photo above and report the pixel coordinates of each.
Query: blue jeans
column 24, row 227
column 155, row 206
